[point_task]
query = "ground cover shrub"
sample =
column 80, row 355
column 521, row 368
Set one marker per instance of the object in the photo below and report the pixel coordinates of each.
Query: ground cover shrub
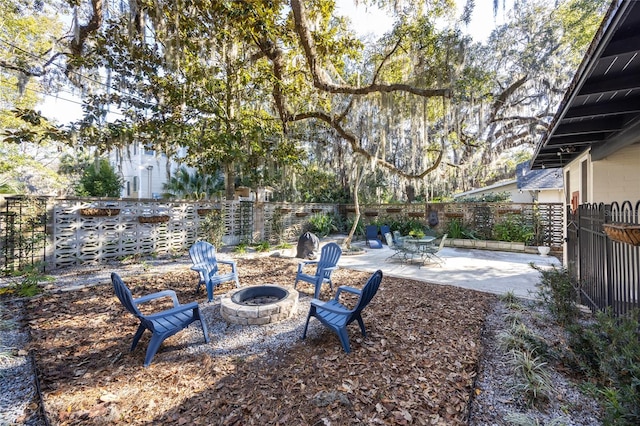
column 510, row 300
column 605, row 348
column 529, row 354
column 521, row 338
column 262, row 246
column 532, row 377
column 26, row 281
column 240, row 248
column 608, row 351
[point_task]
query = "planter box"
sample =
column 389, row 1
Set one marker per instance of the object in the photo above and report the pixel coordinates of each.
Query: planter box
column 394, row 210
column 485, row 244
column 415, row 214
column 99, row 212
column 480, row 243
column 153, row 219
column 370, row 214
column 302, row 214
column 204, row 212
column 509, row 211
column 284, row 210
column 624, row 233
column 453, row 215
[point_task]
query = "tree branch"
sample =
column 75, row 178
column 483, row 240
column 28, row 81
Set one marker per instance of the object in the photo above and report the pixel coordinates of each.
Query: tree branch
column 352, row 140
column 501, row 100
column 320, row 77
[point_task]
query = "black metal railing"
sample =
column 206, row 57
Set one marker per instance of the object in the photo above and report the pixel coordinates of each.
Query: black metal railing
column 603, row 265
column 23, row 233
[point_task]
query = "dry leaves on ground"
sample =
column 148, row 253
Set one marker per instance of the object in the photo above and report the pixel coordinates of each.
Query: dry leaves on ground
column 416, row 365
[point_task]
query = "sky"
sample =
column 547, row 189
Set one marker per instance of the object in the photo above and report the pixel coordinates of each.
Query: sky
column 370, row 20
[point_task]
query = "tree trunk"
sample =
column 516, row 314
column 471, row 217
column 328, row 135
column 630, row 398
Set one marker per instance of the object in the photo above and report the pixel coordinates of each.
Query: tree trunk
column 356, row 188
column 230, row 184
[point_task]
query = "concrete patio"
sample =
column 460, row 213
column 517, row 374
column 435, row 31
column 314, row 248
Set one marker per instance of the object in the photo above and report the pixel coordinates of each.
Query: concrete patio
column 483, row 270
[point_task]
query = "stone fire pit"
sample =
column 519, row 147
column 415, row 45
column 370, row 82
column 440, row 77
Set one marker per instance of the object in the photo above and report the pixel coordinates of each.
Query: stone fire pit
column 257, row 305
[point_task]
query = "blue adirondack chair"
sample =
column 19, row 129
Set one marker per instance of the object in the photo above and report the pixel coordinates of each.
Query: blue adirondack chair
column 337, row 317
column 161, row 324
column 203, row 257
column 371, row 236
column 328, row 262
column 384, row 229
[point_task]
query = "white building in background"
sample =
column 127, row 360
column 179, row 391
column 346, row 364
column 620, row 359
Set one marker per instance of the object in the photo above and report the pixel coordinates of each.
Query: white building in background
column 143, row 172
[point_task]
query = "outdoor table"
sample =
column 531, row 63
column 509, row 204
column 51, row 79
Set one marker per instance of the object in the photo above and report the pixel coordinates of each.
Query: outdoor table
column 420, row 245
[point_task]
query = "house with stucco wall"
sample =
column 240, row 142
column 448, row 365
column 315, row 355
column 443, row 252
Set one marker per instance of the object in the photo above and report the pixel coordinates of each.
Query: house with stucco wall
column 594, row 138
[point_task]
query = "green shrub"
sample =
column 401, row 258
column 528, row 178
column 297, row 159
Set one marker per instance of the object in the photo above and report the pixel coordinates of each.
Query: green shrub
column 213, row 227
column 28, row 281
column 558, row 294
column 456, row 228
column 486, row 198
column 277, row 226
column 240, row 248
column 322, row 224
column 608, row 351
column 262, row 246
column 99, row 179
column 409, row 225
column 359, row 227
column 513, row 229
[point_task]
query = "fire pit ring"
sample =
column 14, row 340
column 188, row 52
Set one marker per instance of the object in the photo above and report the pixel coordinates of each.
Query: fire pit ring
column 257, row 305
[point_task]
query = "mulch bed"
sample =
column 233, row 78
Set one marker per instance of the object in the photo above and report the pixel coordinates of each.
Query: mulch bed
column 416, row 365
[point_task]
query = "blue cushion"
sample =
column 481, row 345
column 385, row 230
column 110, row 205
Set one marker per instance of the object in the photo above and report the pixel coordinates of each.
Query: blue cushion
column 375, row 244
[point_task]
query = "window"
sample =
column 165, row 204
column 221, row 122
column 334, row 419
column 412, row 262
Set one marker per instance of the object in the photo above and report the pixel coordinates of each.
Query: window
column 135, row 184
column 128, row 189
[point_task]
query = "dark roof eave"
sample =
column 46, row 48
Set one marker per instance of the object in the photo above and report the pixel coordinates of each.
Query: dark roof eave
column 590, row 60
